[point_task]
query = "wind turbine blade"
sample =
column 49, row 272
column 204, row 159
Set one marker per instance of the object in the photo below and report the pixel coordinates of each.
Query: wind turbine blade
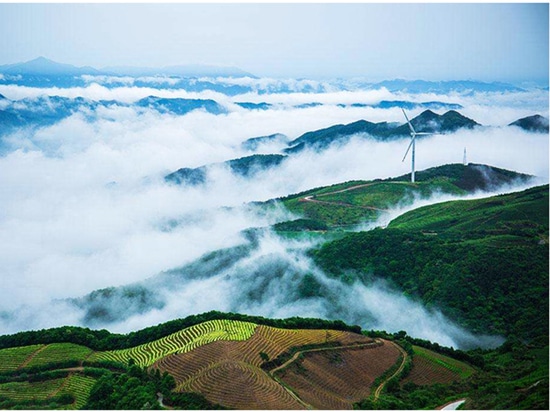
column 403, row 110
column 408, row 122
column 423, row 133
column 408, row 148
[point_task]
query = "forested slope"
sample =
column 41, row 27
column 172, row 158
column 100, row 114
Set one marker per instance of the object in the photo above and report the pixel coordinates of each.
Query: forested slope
column 484, row 262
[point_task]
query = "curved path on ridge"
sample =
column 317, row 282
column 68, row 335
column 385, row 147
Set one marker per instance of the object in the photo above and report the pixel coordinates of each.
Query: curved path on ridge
column 380, row 387
column 375, row 343
column 311, row 199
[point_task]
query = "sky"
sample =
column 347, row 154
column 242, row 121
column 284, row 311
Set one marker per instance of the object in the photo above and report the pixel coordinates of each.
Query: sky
column 488, row 42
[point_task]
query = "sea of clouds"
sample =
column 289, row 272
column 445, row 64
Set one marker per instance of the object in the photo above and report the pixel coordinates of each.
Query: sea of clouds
column 84, row 204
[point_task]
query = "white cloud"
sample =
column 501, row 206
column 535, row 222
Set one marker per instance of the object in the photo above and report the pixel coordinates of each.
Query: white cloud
column 84, row 206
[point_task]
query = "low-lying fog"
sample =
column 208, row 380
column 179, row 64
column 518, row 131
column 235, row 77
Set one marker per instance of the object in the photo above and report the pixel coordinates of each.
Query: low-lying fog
column 84, row 206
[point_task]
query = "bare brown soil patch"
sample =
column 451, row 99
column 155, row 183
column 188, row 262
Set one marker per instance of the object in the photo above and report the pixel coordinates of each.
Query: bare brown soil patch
column 424, row 372
column 336, row 379
column 229, row 373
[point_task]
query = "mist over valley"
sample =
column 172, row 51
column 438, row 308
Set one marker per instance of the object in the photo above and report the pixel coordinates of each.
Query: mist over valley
column 126, row 206
column 274, row 206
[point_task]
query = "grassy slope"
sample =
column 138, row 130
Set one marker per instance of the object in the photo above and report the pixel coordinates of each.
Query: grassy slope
column 484, row 262
column 337, row 206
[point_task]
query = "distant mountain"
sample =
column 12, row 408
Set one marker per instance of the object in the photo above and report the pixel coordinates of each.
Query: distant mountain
column 255, row 142
column 388, row 104
column 427, row 121
column 47, row 110
column 431, row 122
column 536, row 123
column 180, row 106
column 321, row 139
column 191, row 70
column 245, row 166
column 254, row 106
column 458, row 86
column 43, row 66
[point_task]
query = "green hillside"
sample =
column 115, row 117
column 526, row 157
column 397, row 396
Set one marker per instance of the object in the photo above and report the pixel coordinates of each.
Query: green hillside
column 345, row 205
column 70, row 376
column 484, row 262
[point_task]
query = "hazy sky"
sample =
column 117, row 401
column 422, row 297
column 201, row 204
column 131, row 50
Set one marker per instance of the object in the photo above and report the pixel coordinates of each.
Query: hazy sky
column 507, row 42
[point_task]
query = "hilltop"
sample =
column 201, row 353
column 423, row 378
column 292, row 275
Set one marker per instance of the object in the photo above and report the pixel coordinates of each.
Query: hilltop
column 246, row 166
column 427, row 121
column 218, row 361
column 535, row 123
column 347, row 204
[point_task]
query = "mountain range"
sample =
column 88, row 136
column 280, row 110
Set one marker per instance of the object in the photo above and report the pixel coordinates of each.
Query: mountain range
column 322, row 139
column 41, row 72
column 46, row 67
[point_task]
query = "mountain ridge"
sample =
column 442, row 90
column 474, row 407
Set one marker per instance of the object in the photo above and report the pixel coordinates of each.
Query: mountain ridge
column 43, row 66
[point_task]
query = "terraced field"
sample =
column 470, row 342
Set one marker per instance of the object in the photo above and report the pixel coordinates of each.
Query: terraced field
column 335, row 379
column 59, row 352
column 181, row 342
column 218, row 370
column 240, row 385
column 12, row 358
column 26, row 391
column 79, row 386
column 430, row 368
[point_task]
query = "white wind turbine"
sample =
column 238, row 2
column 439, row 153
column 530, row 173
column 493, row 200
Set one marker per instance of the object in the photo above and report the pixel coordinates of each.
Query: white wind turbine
column 414, row 133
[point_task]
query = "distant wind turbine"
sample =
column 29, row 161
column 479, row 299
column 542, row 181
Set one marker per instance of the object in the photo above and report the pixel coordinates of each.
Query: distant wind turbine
column 414, row 133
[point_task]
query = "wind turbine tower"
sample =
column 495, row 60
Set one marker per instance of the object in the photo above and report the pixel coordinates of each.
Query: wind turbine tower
column 465, row 161
column 414, row 133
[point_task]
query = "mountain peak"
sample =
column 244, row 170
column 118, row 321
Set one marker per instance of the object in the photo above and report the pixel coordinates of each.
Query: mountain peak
column 535, row 123
column 44, row 66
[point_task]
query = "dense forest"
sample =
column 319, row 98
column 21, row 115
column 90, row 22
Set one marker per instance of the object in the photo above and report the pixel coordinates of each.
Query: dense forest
column 484, row 263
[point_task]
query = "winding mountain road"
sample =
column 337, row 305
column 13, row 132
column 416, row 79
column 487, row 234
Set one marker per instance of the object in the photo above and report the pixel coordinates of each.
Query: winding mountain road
column 311, row 198
column 380, row 387
column 375, row 343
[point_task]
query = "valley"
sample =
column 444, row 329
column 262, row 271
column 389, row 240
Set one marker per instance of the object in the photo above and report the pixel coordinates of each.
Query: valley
column 196, row 237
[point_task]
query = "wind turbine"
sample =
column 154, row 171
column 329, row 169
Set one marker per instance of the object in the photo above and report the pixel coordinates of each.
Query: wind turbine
column 414, row 133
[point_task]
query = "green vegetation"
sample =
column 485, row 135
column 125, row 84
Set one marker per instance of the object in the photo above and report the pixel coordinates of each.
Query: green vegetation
column 345, row 205
column 300, row 225
column 139, row 388
column 514, row 376
column 59, row 352
column 79, row 386
column 484, row 262
column 104, row 340
column 181, row 342
column 13, row 358
column 460, row 368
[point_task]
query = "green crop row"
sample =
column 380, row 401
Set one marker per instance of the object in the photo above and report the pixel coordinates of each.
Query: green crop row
column 181, row 341
column 453, row 365
column 60, row 352
column 22, row 391
column 12, row 358
column 79, row 386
